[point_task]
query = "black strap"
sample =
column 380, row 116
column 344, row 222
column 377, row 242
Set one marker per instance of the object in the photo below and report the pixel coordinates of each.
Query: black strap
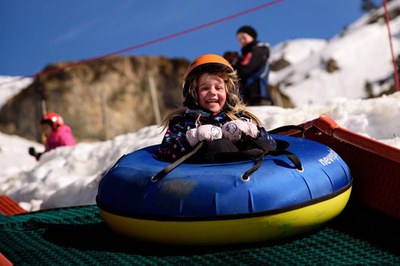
column 291, row 156
column 173, row 165
column 255, row 167
column 263, row 149
column 260, row 143
column 267, row 149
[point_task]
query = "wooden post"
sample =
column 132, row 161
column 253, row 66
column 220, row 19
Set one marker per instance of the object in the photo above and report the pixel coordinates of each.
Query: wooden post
column 154, row 99
column 103, row 114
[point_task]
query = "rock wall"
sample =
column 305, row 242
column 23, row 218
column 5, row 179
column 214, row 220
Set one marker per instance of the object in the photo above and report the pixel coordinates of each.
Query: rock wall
column 99, row 99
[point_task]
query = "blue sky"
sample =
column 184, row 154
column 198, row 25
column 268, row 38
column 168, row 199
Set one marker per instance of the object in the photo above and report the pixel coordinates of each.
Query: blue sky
column 36, row 33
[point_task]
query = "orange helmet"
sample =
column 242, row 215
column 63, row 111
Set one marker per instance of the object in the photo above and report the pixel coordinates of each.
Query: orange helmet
column 208, row 59
column 210, row 63
column 53, row 118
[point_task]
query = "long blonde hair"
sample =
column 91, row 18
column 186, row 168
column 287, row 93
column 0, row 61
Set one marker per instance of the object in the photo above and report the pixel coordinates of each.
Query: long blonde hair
column 233, row 106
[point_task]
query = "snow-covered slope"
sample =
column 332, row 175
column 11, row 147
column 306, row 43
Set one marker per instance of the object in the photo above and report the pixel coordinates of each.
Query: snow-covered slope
column 362, row 53
column 10, row 86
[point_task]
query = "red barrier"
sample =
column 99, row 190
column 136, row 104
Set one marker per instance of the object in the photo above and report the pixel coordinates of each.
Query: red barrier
column 375, row 166
column 9, row 207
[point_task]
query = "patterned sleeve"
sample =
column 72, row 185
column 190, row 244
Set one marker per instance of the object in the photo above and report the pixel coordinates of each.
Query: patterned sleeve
column 174, row 144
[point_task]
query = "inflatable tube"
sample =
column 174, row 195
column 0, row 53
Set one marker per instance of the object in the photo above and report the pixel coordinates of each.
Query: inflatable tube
column 210, row 204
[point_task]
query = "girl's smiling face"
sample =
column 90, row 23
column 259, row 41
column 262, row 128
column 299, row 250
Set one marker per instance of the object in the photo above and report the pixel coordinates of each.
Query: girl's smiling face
column 211, row 92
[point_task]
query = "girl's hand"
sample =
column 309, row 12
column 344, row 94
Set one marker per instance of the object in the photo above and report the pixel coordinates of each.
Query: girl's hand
column 233, row 130
column 203, row 132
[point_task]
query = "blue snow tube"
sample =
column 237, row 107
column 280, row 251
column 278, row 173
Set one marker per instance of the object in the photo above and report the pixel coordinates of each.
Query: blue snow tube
column 211, row 204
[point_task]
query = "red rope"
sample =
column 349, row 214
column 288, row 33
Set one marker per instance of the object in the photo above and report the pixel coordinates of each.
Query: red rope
column 174, row 35
column 396, row 74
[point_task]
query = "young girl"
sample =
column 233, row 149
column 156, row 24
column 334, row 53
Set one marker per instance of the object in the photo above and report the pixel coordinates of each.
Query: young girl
column 55, row 134
column 213, row 112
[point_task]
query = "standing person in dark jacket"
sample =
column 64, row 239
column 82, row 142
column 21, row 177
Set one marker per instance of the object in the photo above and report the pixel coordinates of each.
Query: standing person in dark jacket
column 253, row 68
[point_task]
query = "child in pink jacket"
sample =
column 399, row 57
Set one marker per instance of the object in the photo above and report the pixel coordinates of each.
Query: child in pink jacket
column 55, row 132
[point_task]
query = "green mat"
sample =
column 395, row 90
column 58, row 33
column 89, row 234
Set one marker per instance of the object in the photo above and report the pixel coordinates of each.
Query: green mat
column 78, row 236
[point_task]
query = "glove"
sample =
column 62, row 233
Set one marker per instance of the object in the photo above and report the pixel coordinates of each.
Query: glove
column 203, row 132
column 32, row 151
column 35, row 154
column 233, row 130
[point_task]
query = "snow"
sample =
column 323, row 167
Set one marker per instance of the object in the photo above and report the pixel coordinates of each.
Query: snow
column 290, row 51
column 10, row 86
column 362, row 53
column 69, row 176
